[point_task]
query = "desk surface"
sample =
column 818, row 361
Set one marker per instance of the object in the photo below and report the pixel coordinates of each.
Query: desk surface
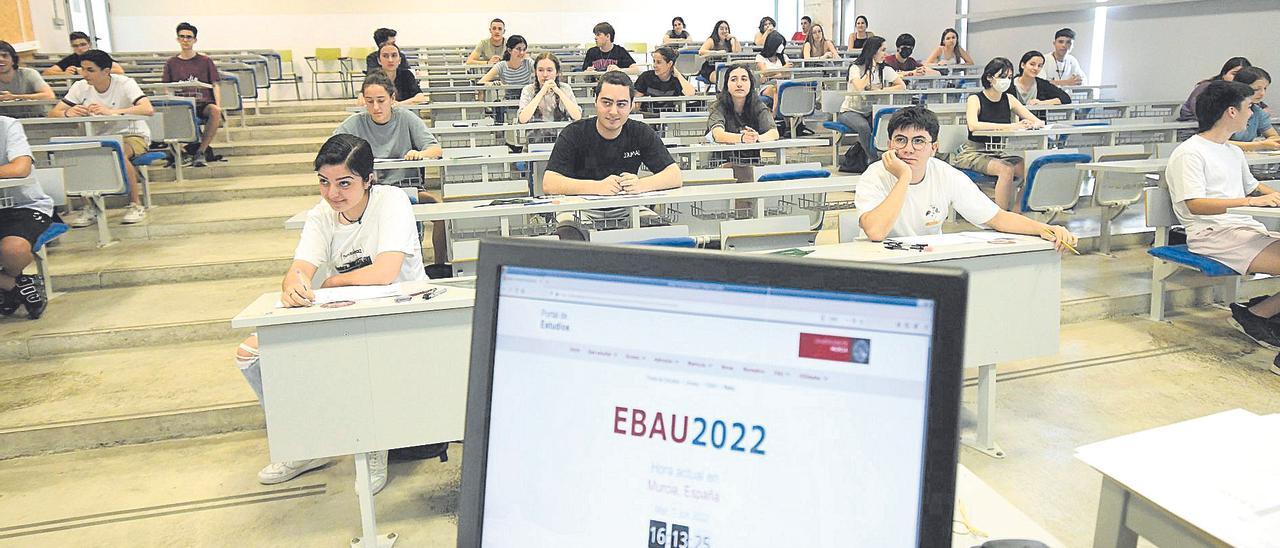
column 1157, row 165
column 1063, row 129
column 946, row 247
column 263, row 310
column 1210, row 472
column 699, row 148
column 82, row 119
column 15, row 182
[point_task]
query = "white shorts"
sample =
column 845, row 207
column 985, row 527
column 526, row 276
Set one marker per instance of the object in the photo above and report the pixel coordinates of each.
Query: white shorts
column 1234, row 246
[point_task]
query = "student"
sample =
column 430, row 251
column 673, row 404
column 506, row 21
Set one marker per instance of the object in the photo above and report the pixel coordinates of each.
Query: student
column 515, row 69
column 737, row 115
column 602, row 154
column 663, row 80
column 606, row 55
column 677, row 34
column 189, row 65
column 101, row 93
column 766, row 26
column 381, row 37
column 868, row 73
column 993, row 109
column 948, row 51
column 28, row 212
column 71, row 63
column 396, row 134
column 858, row 38
column 490, row 50
column 721, row 39
column 802, row 35
column 359, row 234
column 816, row 44
column 903, row 62
column 1207, row 175
column 1030, row 89
column 909, row 192
column 408, row 92
column 547, row 100
column 19, row 83
column 1259, row 134
column 1229, row 69
column 772, row 63
column 1062, row 67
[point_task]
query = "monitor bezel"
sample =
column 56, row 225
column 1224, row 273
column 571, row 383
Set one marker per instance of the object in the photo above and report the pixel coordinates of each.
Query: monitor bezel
column 946, row 286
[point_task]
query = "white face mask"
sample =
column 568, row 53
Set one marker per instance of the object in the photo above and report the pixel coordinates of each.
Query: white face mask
column 1001, row 84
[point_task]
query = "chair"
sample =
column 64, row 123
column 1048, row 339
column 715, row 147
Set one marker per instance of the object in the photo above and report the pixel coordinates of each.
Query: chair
column 880, row 127
column 1115, row 192
column 248, row 79
column 93, row 174
column 175, row 126
column 688, row 63
column 357, row 56
column 796, row 100
column 748, row 235
column 229, row 84
column 1053, row 184
column 832, row 100
column 784, row 204
column 1169, row 260
column 285, row 60
column 951, row 139
column 52, row 183
column 330, row 62
column 641, row 48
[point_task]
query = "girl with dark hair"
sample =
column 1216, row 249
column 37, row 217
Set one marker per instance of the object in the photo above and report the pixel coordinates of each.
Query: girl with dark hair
column 772, row 63
column 407, row 90
column 858, row 38
column 515, row 69
column 359, row 234
column 994, row 109
column 766, row 26
column 547, row 100
column 663, row 80
column 1259, row 134
column 1030, row 88
column 1228, row 73
column 737, row 115
column 678, row 32
column 868, row 73
column 948, row 51
column 721, row 39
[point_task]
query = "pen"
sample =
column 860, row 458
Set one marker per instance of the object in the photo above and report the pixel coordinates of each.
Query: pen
column 1064, row 244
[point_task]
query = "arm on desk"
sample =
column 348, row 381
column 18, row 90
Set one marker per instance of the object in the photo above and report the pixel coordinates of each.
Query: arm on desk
column 555, row 183
column 1270, row 141
column 43, row 94
column 18, row 168
column 385, row 267
column 1013, row 223
column 1266, row 197
column 669, row 177
column 295, row 288
column 971, row 117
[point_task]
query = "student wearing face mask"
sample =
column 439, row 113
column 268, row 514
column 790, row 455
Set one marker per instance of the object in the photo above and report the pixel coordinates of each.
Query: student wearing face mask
column 1030, row 88
column 902, row 60
column 1062, row 68
column 993, row 109
column 868, row 73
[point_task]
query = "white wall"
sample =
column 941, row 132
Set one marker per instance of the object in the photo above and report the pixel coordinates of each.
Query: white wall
column 50, row 36
column 923, row 19
column 1010, row 38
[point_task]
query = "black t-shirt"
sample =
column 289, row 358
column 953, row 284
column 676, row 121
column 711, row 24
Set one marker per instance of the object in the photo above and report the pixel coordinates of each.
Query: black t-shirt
column 371, row 62
column 582, row 153
column 601, row 61
column 649, row 84
column 69, row 61
column 406, row 84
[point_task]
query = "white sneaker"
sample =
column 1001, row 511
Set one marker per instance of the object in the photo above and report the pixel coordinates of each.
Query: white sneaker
column 80, row 218
column 136, row 213
column 278, row 472
column 377, row 471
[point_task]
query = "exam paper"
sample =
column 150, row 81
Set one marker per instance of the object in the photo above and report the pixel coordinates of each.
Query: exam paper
column 353, row 293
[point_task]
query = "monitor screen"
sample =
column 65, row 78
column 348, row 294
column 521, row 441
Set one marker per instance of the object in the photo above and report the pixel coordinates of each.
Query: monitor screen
column 652, row 412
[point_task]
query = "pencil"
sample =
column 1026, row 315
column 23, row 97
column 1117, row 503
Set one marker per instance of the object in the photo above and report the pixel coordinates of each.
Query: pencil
column 1048, row 232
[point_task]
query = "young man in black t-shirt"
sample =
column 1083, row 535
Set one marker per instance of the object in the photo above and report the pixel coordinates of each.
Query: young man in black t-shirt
column 607, row 55
column 71, row 63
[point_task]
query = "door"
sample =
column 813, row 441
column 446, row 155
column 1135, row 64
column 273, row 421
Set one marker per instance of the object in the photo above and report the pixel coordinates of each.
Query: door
column 91, row 17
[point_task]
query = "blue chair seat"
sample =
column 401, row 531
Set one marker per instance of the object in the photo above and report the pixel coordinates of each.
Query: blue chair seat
column 837, row 127
column 798, row 174
column 1180, row 255
column 676, row 241
column 148, row 158
column 49, row 234
column 977, row 177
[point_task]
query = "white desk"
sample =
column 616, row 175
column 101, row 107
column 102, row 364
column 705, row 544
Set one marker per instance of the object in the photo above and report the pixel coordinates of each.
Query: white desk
column 988, row 511
column 372, row 376
column 14, row 182
column 1014, row 303
column 86, row 121
column 1204, row 482
column 1110, row 134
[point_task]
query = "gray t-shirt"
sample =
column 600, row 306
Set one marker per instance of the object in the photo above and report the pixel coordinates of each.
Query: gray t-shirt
column 24, row 82
column 519, row 76
column 761, row 121
column 489, row 51
column 405, row 131
column 13, row 145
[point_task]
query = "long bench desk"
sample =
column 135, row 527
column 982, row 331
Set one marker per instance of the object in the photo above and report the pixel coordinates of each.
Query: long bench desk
column 85, row 121
column 1108, row 135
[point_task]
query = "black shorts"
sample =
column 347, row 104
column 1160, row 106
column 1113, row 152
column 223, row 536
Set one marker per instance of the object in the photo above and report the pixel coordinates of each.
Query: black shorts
column 24, row 223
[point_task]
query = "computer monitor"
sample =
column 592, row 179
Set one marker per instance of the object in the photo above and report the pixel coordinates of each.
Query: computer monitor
column 630, row 396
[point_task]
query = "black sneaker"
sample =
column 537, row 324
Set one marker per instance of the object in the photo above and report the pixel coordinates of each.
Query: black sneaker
column 9, row 302
column 1256, row 327
column 30, row 290
column 572, row 230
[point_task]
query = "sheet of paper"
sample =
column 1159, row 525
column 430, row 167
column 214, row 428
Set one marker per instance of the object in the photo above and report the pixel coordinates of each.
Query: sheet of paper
column 954, row 238
column 354, row 293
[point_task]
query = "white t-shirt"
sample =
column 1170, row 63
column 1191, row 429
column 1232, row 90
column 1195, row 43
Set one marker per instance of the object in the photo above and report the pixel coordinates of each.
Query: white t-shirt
column 928, row 201
column 879, row 80
column 13, row 145
column 1200, row 168
column 387, row 225
column 1061, row 71
column 123, row 92
column 774, row 64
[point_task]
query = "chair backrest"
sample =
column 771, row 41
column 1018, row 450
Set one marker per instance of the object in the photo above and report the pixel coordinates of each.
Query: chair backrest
column 1164, row 150
column 93, row 171
column 53, row 184
column 356, row 53
column 179, row 121
column 1053, row 182
column 155, row 123
column 769, row 241
column 951, row 138
column 880, row 126
column 766, row 225
column 687, row 62
column 832, row 100
column 286, row 56
column 328, row 54
column 850, row 227
column 759, row 171
column 247, row 79
column 796, row 98
column 624, row 235
column 230, row 86
column 261, row 72
column 1158, row 208
column 1111, row 188
column 707, row 176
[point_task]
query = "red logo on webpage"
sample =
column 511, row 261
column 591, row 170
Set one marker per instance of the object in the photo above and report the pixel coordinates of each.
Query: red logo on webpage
column 833, row 348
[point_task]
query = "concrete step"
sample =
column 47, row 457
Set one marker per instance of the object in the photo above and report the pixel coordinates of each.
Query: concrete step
column 244, row 166
column 288, row 145
column 322, row 130
column 332, row 116
column 197, row 191
column 203, row 256
column 289, row 107
column 79, row 401
column 249, row 214
column 132, row 317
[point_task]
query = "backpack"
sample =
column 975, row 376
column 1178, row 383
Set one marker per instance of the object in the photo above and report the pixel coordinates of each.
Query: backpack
column 854, row 159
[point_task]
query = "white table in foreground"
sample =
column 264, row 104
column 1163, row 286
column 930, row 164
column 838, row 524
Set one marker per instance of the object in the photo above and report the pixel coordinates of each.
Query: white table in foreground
column 990, row 513
column 1014, row 302
column 372, row 376
column 1210, row 481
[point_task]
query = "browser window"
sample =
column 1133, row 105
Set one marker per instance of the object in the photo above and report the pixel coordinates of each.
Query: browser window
column 634, row 411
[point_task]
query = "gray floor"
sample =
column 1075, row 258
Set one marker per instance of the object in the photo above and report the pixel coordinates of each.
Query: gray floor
column 1111, row 377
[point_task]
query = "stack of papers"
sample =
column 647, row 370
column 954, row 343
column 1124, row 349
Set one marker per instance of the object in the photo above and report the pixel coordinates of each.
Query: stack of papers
column 354, row 293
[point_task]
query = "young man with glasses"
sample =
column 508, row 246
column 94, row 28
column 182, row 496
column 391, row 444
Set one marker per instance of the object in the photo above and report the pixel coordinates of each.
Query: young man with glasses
column 71, row 63
column 909, row 192
column 188, row 65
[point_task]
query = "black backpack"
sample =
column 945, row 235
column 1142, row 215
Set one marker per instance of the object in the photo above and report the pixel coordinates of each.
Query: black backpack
column 854, row 159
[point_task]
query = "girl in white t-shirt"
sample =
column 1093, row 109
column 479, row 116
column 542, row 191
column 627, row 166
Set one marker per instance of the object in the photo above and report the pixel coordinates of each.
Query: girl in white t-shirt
column 868, row 73
column 359, row 234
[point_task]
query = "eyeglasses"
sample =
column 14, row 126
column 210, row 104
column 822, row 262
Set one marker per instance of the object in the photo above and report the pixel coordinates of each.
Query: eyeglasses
column 186, row 37
column 918, row 143
column 519, row 48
